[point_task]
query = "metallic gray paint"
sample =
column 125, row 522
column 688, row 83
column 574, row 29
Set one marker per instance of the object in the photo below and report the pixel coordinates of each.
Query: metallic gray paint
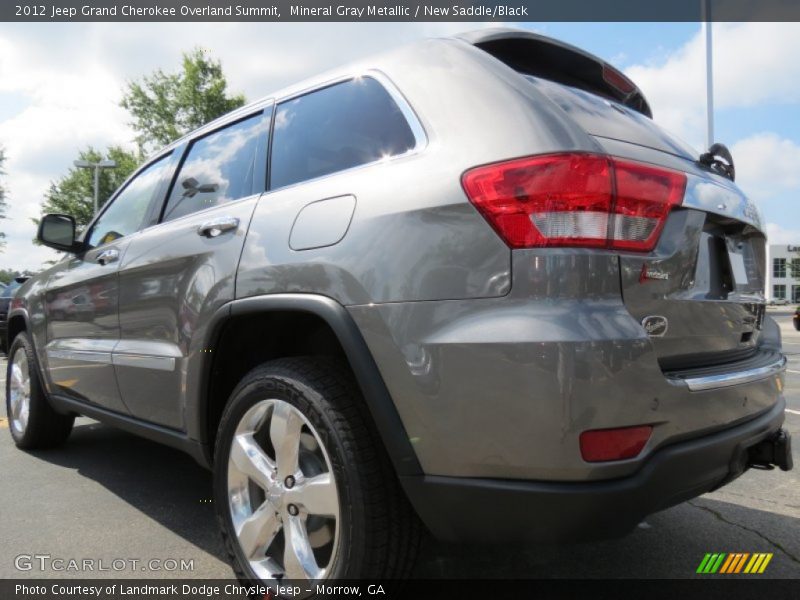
column 171, row 282
column 495, row 360
column 82, row 319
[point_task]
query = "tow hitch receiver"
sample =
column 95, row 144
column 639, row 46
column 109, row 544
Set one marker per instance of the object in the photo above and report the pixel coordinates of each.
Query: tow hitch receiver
column 774, row 451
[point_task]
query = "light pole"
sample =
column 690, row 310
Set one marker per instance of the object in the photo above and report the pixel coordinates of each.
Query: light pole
column 103, row 164
column 706, row 15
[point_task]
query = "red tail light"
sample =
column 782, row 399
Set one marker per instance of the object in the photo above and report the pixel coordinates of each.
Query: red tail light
column 579, row 200
column 614, row 444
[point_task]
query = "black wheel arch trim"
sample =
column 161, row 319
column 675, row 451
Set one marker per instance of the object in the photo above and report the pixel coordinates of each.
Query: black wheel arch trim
column 13, row 314
column 379, row 401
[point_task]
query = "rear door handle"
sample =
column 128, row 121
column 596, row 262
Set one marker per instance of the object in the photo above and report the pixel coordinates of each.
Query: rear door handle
column 108, row 256
column 217, row 227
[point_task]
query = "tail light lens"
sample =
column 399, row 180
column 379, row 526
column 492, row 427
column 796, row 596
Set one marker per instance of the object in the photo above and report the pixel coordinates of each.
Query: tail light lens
column 578, row 200
column 599, row 445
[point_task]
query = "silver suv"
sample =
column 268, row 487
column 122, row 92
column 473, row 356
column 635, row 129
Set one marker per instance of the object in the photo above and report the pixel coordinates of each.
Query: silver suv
column 468, row 285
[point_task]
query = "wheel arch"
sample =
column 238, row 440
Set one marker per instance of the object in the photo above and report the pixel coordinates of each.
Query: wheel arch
column 307, row 315
column 17, row 323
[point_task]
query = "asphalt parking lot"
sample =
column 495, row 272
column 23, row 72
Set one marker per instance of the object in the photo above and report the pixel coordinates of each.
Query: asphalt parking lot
column 109, row 495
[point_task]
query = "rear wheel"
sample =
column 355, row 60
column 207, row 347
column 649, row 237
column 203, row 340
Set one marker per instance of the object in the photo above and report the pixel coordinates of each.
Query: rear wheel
column 31, row 419
column 303, row 488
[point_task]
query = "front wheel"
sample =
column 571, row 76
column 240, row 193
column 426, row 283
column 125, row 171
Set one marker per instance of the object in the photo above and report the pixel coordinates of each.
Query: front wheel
column 31, row 419
column 303, row 487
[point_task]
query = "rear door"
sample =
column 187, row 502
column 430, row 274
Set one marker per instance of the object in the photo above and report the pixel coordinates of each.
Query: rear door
column 177, row 273
column 82, row 293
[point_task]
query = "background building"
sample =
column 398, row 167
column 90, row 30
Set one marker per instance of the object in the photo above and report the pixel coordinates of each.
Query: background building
column 783, row 272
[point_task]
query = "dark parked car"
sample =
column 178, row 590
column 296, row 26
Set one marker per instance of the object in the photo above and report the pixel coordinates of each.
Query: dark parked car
column 6, row 293
column 469, row 284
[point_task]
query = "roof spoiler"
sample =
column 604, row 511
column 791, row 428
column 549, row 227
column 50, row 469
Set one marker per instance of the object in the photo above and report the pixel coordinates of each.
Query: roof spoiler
column 550, row 59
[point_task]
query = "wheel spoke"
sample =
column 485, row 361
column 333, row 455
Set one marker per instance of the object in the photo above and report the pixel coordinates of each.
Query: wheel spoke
column 316, row 494
column 258, row 531
column 16, row 392
column 24, row 411
column 20, row 390
column 298, row 558
column 251, row 460
column 284, row 432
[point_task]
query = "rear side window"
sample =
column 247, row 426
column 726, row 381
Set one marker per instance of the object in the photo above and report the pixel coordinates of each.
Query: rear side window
column 219, row 168
column 336, row 128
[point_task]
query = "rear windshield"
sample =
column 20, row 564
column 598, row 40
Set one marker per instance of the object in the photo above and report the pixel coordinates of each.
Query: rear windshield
column 609, row 119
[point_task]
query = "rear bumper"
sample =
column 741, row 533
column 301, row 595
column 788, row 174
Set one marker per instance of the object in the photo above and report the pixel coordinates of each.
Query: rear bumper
column 471, row 509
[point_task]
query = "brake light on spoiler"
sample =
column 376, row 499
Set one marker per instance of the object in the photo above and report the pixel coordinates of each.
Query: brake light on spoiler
column 575, row 200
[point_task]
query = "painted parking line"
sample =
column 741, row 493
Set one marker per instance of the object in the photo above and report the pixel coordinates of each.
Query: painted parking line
column 794, row 412
column 791, row 371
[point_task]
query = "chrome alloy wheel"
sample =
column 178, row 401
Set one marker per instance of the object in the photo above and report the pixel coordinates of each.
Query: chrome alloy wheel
column 282, row 494
column 19, row 387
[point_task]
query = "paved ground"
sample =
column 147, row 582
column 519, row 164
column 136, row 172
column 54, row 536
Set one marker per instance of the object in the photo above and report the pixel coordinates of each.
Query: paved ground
column 109, row 495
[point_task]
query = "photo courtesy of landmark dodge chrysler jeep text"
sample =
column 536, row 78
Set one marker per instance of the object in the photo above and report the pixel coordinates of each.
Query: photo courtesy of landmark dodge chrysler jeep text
column 468, row 286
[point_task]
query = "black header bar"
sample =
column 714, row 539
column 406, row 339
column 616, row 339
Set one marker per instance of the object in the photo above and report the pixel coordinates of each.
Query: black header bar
column 398, row 10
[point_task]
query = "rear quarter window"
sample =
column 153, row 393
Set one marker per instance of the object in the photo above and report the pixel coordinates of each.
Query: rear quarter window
column 336, row 128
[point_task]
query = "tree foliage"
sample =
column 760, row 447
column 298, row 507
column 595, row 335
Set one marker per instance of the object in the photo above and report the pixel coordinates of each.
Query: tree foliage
column 3, row 204
column 73, row 194
column 166, row 106
column 6, row 275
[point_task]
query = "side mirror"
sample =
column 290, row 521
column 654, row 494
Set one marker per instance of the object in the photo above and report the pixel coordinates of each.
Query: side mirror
column 58, row 232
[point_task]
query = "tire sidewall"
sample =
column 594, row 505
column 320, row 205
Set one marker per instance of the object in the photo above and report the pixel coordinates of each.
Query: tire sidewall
column 312, row 404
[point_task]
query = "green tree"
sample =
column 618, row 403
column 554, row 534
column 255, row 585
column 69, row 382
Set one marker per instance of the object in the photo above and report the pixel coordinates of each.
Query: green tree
column 166, row 106
column 73, row 194
column 3, row 204
column 6, row 275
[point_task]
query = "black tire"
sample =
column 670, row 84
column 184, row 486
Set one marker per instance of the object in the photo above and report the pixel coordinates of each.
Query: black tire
column 379, row 533
column 45, row 427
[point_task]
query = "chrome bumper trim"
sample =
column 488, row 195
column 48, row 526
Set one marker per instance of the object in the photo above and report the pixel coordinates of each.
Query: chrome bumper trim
column 712, row 382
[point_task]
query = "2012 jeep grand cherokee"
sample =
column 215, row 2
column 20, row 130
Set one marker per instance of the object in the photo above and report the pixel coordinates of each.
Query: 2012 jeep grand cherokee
column 469, row 284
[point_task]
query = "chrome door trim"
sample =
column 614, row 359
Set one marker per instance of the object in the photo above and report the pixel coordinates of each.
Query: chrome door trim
column 81, row 355
column 156, row 363
column 712, row 382
column 159, row 356
column 146, row 354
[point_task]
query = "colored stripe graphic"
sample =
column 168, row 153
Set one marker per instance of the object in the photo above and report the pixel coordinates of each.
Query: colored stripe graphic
column 711, row 563
column 703, row 563
column 734, row 562
column 741, row 562
column 727, row 564
column 752, row 564
column 765, row 563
